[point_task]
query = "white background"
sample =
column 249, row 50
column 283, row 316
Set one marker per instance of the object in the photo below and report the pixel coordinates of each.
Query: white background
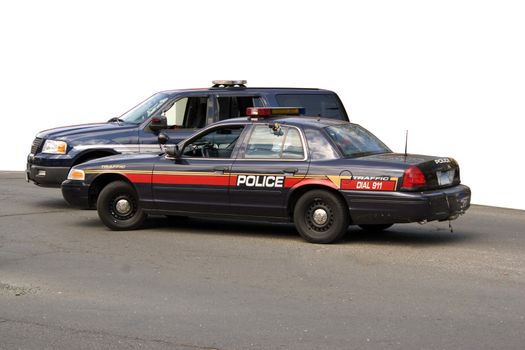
column 451, row 72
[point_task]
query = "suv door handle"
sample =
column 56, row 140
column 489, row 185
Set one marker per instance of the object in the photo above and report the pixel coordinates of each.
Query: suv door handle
column 222, row 169
column 290, row 170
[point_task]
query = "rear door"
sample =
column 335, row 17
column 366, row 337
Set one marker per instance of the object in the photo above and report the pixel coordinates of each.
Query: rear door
column 271, row 161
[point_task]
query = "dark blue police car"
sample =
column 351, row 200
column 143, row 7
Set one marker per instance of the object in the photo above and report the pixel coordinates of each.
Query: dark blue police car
column 178, row 113
column 322, row 174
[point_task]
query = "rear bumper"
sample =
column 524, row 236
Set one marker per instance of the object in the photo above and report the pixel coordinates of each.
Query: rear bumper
column 76, row 193
column 403, row 207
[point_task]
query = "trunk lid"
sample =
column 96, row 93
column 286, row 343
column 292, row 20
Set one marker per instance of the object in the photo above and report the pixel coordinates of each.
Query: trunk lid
column 439, row 172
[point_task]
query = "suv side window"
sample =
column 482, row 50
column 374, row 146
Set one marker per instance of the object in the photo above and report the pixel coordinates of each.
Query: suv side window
column 235, row 106
column 218, row 143
column 267, row 142
column 322, row 105
column 187, row 113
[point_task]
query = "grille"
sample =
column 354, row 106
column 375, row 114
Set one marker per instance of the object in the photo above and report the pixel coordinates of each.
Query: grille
column 37, row 145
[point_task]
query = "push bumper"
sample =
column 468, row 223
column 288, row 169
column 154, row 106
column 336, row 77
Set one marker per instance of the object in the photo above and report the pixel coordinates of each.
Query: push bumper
column 404, row 207
column 76, row 193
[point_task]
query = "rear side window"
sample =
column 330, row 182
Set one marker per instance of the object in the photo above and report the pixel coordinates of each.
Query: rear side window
column 321, row 105
column 268, row 143
column 235, row 106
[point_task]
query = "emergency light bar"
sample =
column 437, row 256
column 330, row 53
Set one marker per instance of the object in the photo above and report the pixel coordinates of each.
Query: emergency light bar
column 270, row 111
column 229, row 83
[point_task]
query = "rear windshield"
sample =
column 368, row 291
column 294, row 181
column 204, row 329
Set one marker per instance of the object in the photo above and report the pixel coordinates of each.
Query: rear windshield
column 318, row 105
column 354, row 141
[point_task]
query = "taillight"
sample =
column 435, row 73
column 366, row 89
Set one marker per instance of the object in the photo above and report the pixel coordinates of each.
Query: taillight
column 413, row 177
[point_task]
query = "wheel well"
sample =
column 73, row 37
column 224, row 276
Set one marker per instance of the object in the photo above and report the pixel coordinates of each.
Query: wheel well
column 92, row 155
column 294, row 197
column 99, row 183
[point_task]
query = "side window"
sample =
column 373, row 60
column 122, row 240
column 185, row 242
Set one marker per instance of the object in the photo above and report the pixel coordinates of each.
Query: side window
column 218, row 143
column 267, row 142
column 320, row 148
column 187, row 113
column 175, row 114
column 235, row 106
column 322, row 105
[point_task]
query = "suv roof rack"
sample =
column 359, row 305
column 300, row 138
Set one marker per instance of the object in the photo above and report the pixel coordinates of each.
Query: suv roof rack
column 229, row 83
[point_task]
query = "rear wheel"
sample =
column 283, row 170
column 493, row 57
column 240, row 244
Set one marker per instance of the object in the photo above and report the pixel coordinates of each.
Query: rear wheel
column 375, row 227
column 321, row 217
column 118, row 207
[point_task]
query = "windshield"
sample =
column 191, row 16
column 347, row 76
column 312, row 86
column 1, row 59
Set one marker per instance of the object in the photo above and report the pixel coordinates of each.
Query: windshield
column 354, row 141
column 143, row 111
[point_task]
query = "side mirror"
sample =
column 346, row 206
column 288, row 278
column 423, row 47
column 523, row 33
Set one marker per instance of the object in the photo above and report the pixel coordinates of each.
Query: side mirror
column 163, row 138
column 173, row 151
column 158, row 123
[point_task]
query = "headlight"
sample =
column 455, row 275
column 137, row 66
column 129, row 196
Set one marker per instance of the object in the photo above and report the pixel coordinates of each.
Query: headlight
column 54, row 147
column 76, row 174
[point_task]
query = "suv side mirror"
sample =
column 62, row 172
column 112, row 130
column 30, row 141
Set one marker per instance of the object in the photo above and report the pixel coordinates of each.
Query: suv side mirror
column 158, row 123
column 163, row 138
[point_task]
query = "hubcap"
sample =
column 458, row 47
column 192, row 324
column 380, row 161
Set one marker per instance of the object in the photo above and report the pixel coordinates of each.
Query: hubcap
column 123, row 206
column 320, row 216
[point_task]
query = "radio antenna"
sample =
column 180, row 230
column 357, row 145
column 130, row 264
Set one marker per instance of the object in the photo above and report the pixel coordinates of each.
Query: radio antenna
column 406, row 144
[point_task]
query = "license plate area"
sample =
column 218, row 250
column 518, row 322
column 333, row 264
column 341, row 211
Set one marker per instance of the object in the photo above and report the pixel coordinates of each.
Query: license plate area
column 445, row 177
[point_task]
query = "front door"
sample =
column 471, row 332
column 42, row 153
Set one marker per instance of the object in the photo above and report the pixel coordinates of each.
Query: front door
column 184, row 116
column 198, row 181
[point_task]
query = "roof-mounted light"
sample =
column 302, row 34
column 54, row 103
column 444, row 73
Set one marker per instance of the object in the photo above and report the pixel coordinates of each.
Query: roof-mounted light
column 271, row 111
column 229, row 83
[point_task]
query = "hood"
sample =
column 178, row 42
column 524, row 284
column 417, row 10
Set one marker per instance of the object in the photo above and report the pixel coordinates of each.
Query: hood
column 74, row 132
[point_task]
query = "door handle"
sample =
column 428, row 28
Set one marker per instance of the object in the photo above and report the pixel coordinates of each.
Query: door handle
column 222, row 169
column 290, row 171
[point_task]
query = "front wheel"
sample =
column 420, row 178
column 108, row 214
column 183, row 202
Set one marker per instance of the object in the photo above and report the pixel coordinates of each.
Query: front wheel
column 321, row 216
column 118, row 207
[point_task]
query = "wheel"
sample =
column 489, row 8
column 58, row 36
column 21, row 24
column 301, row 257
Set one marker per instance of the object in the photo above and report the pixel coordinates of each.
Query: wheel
column 118, row 207
column 321, row 216
column 375, row 227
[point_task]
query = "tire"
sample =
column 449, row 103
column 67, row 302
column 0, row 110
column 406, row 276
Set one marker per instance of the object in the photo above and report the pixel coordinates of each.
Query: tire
column 321, row 216
column 118, row 207
column 375, row 227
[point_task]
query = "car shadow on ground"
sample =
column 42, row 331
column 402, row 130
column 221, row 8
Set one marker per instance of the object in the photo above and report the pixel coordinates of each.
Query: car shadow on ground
column 55, row 203
column 402, row 234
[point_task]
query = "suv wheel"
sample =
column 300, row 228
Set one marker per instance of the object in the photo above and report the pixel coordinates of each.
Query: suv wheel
column 118, row 207
column 321, row 216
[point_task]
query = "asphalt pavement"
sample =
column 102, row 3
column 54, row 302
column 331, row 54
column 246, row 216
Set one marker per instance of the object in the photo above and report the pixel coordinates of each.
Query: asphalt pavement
column 67, row 282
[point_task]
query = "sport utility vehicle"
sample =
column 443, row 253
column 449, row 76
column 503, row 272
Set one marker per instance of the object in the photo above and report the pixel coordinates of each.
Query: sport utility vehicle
column 177, row 113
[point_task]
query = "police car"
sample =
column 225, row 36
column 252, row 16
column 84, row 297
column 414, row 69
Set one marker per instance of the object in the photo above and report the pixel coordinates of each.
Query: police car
column 321, row 174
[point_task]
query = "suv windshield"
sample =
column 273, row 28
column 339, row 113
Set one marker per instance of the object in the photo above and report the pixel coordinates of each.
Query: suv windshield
column 354, row 141
column 143, row 111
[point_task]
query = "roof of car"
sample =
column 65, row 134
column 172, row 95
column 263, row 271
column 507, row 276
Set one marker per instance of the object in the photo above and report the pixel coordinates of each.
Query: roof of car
column 249, row 89
column 311, row 121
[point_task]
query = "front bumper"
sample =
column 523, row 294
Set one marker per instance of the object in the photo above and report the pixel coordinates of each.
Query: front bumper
column 48, row 170
column 76, row 193
column 46, row 176
column 403, row 207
